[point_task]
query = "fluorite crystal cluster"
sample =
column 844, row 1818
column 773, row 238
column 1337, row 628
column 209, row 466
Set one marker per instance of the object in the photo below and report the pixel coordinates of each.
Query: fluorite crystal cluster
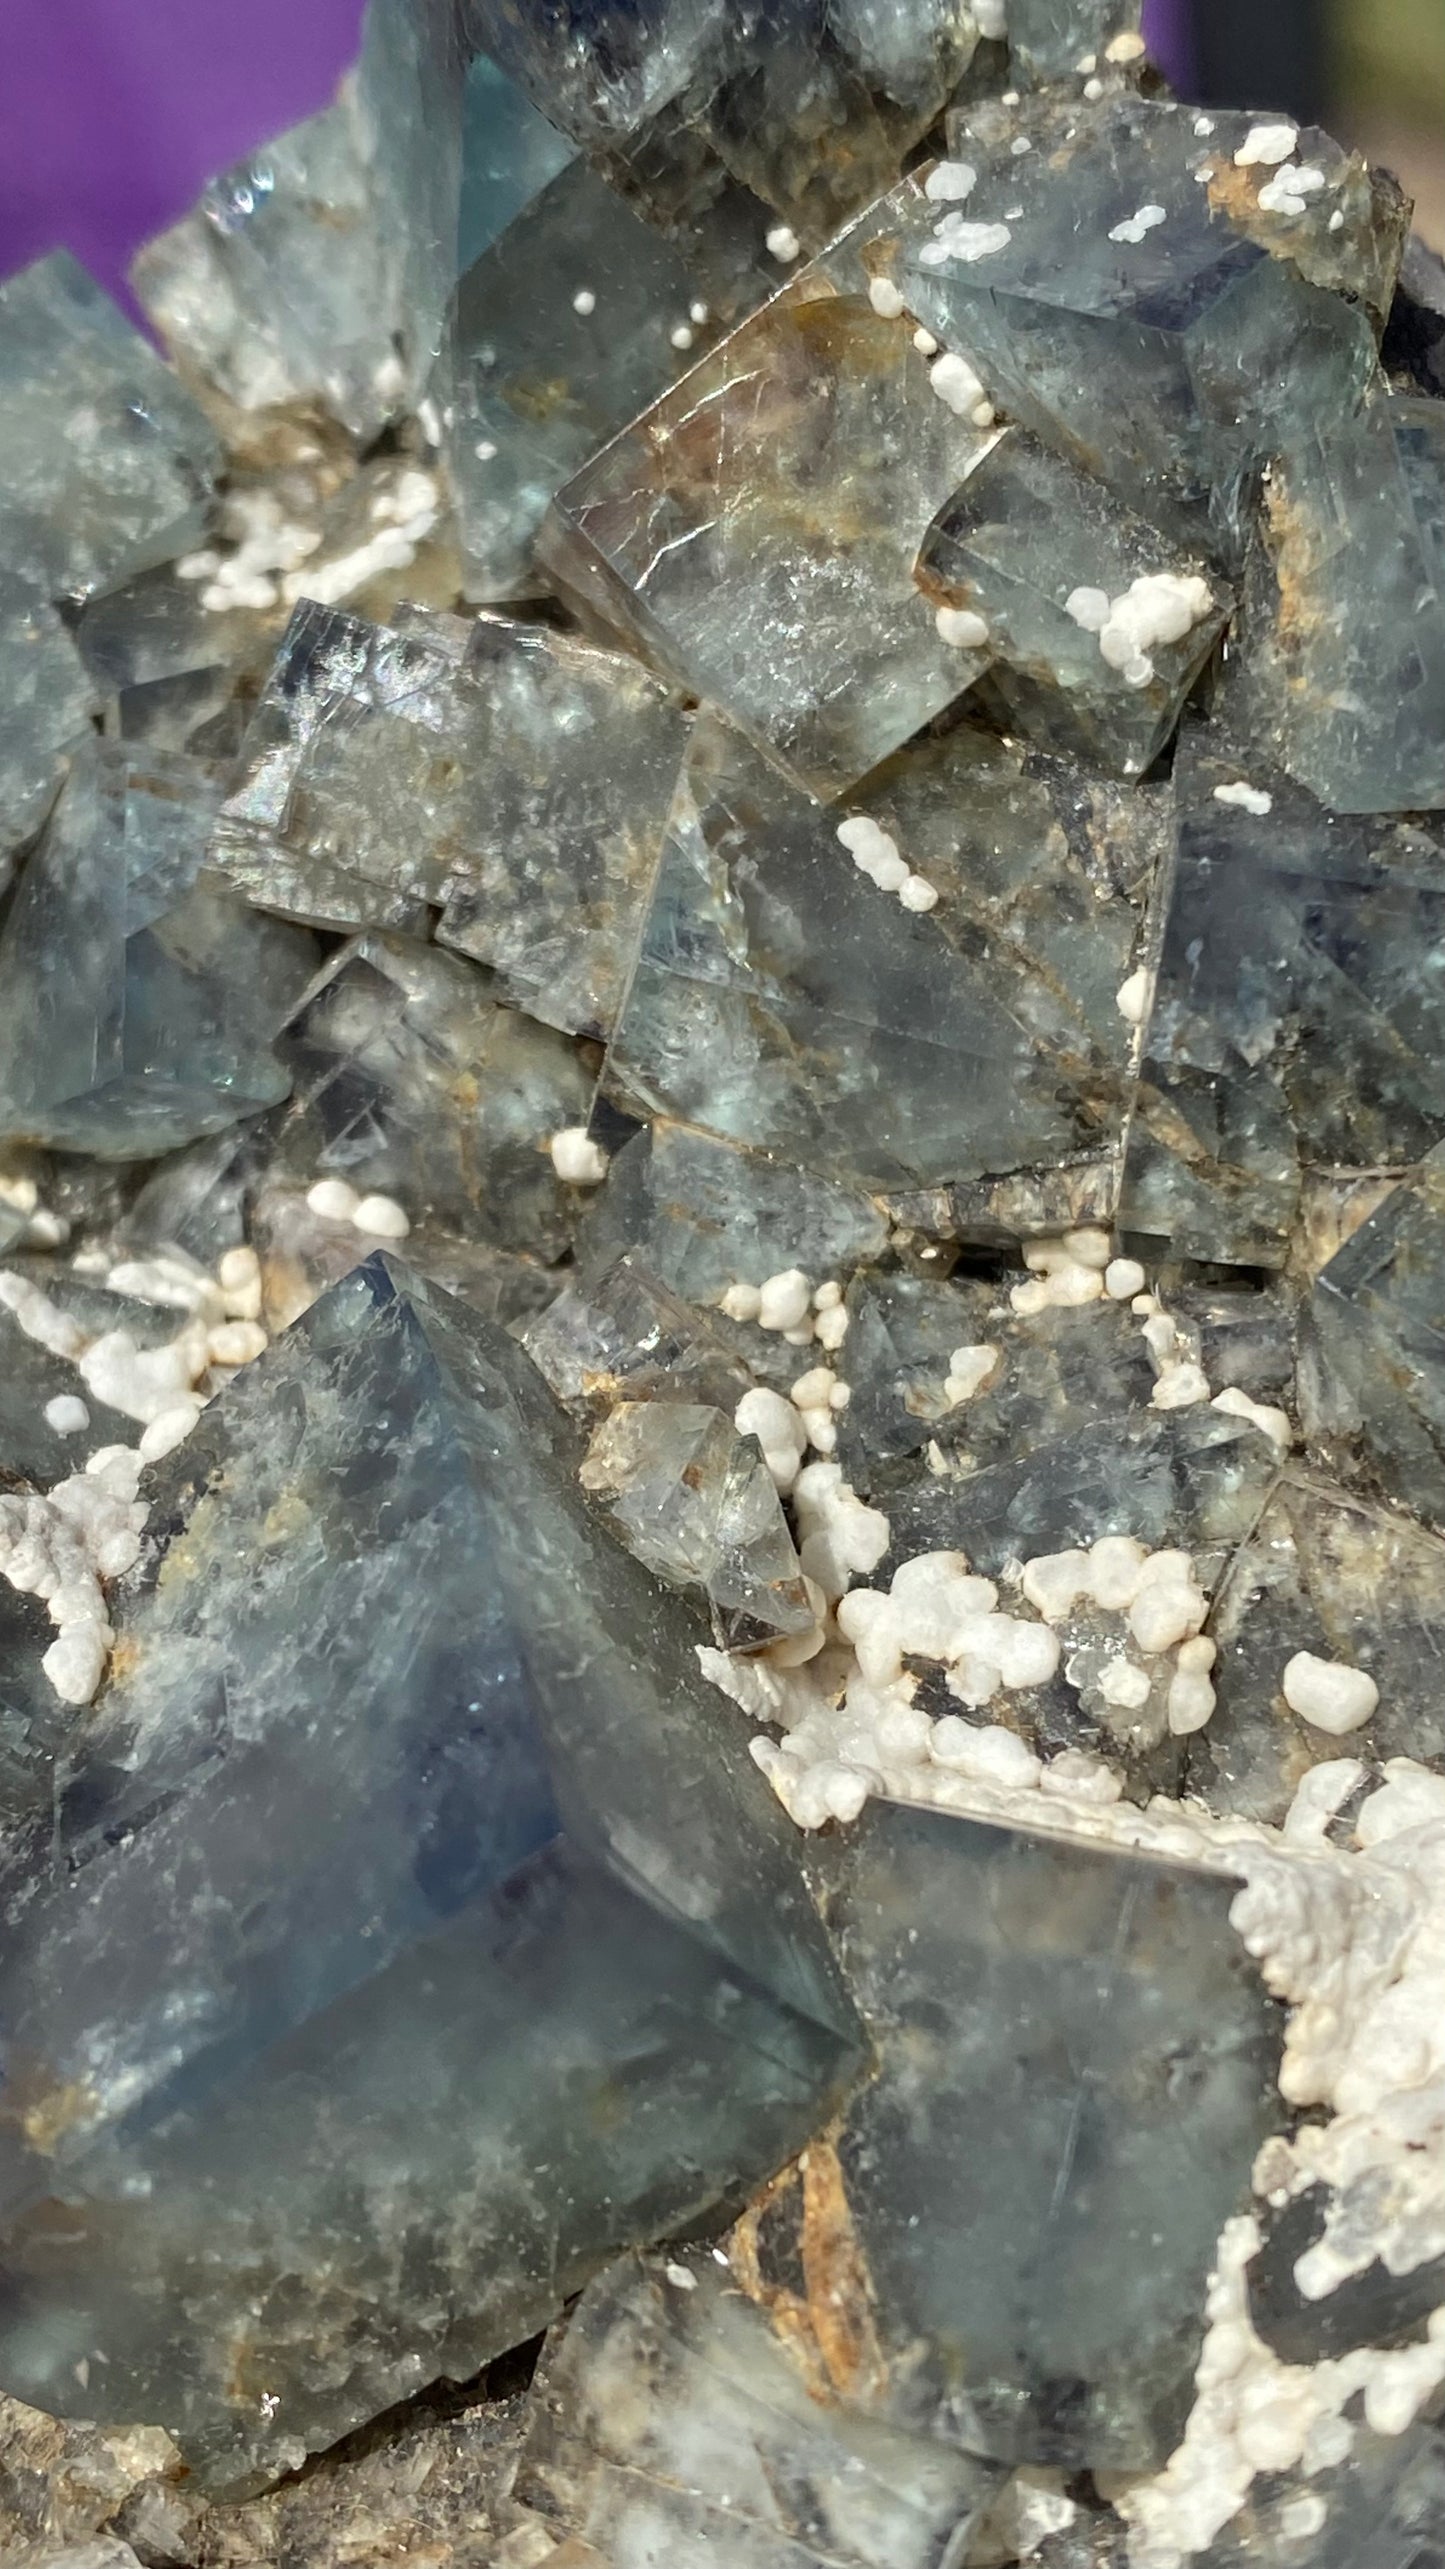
column 722, row 1323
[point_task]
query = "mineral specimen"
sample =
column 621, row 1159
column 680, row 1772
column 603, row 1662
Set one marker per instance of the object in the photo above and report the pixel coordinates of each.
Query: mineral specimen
column 771, row 679
column 377, row 1939
column 138, row 994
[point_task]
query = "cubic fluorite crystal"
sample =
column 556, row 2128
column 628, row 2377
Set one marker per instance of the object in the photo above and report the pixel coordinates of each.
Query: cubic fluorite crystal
column 45, row 708
column 350, row 773
column 1326, row 1573
column 1124, row 295
column 1035, row 548
column 1074, row 2072
column 139, row 995
column 1291, row 1026
column 554, row 866
column 781, row 993
column 705, row 1214
column 411, row 1080
column 1372, row 1376
column 1343, row 639
column 756, row 533
column 108, row 462
column 319, row 269
column 375, row 1927
column 460, row 765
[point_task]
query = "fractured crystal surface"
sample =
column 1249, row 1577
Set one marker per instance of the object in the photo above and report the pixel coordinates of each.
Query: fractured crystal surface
column 676, row 2423
column 138, row 994
column 518, row 777
column 350, row 773
column 756, row 530
column 697, row 1504
column 424, row 1938
column 782, row 997
column 412, row 1081
column 108, row 461
column 576, row 753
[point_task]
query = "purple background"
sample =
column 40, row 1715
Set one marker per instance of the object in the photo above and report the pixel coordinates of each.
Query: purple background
column 114, row 112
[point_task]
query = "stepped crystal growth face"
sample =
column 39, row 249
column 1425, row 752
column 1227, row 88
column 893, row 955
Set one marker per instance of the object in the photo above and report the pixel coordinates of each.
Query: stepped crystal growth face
column 722, row 1288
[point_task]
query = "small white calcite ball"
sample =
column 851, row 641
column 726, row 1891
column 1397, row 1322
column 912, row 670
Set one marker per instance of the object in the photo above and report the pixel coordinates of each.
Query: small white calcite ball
column 1165, row 1613
column 333, row 1199
column 1053, row 1580
column 236, row 1342
column 741, row 1302
column 382, row 1216
column 785, row 1301
column 168, row 1431
column 1190, row 1702
column 67, row 1415
column 238, row 1270
column 577, row 1159
column 1125, row 1684
column 961, row 629
column 1132, row 997
column 1328, row 1696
